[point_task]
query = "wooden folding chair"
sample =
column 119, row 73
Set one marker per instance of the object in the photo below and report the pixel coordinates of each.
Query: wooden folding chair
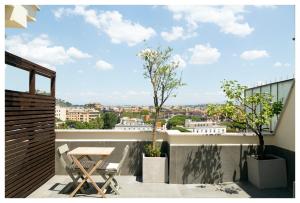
column 108, row 171
column 74, row 173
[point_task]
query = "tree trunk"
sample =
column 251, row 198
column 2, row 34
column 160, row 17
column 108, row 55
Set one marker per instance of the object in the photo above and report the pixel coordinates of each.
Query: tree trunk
column 261, row 146
column 154, row 129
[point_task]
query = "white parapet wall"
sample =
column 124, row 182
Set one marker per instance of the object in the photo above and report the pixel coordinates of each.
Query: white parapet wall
column 173, row 137
column 107, row 135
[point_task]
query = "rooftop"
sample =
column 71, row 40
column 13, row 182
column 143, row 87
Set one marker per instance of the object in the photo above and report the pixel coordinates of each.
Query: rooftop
column 59, row 186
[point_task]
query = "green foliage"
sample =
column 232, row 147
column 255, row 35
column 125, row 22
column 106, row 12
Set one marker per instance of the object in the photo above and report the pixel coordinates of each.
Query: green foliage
column 144, row 112
column 197, row 118
column 149, row 122
column 232, row 127
column 109, row 120
column 96, row 123
column 163, row 75
column 61, row 126
column 175, row 121
column 162, row 121
column 77, row 124
column 253, row 112
column 181, row 129
column 63, row 103
column 151, row 151
column 277, row 107
column 131, row 114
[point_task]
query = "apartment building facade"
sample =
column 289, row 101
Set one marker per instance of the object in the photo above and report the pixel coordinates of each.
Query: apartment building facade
column 61, row 113
column 205, row 127
column 76, row 114
column 82, row 115
column 132, row 124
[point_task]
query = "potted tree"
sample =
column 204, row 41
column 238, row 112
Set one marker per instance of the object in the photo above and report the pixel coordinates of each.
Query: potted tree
column 163, row 75
column 254, row 112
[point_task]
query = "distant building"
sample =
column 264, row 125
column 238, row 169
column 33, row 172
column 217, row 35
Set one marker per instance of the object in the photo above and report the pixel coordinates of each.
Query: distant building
column 81, row 114
column 204, row 127
column 96, row 106
column 132, row 124
column 61, row 113
column 146, row 117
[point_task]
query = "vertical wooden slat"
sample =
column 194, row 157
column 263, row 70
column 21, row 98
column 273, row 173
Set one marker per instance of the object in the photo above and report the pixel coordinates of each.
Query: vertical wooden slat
column 27, row 141
column 53, row 86
column 32, row 82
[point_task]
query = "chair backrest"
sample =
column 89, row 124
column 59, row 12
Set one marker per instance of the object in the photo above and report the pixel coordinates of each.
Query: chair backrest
column 124, row 155
column 63, row 157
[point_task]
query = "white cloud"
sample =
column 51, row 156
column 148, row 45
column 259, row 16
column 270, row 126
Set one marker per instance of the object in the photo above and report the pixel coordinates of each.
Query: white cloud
column 42, row 51
column 103, row 65
column 286, row 64
column 112, row 23
column 228, row 18
column 126, row 95
column 176, row 33
column 265, row 6
column 254, row 54
column 204, row 54
column 59, row 12
column 279, row 64
column 178, row 59
column 136, row 93
column 77, row 54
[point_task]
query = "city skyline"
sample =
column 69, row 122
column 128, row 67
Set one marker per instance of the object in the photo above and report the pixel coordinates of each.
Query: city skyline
column 95, row 55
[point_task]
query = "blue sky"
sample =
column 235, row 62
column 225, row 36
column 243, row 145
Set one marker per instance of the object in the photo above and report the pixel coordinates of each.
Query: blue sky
column 94, row 49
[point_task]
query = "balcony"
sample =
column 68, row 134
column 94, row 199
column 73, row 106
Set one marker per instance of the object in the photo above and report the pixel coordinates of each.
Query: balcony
column 228, row 152
column 199, row 165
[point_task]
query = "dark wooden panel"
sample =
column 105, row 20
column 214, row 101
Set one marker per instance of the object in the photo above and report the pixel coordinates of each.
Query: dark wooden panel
column 36, row 176
column 19, row 161
column 29, row 133
column 21, row 126
column 26, row 108
column 17, row 132
column 26, row 95
column 29, row 166
column 25, row 99
column 24, row 64
column 32, row 121
column 27, row 104
column 28, row 117
column 27, row 140
column 24, row 151
column 22, row 113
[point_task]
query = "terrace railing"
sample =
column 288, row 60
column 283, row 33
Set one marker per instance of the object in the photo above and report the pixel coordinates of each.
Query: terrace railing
column 29, row 132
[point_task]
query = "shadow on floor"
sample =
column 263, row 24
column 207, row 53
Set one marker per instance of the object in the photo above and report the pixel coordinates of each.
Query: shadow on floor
column 67, row 189
column 264, row 193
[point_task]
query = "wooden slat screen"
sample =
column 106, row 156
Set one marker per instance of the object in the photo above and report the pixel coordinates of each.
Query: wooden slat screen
column 29, row 133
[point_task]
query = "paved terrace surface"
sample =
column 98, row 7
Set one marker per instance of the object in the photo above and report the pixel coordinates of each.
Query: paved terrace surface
column 59, row 186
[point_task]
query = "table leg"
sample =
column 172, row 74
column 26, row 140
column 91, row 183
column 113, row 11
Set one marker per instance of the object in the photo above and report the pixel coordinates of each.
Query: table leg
column 88, row 176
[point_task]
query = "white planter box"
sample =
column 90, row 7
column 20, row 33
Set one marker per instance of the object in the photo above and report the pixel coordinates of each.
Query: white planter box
column 270, row 173
column 155, row 169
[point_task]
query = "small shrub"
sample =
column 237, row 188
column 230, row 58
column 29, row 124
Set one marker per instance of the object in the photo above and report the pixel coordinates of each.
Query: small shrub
column 152, row 152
